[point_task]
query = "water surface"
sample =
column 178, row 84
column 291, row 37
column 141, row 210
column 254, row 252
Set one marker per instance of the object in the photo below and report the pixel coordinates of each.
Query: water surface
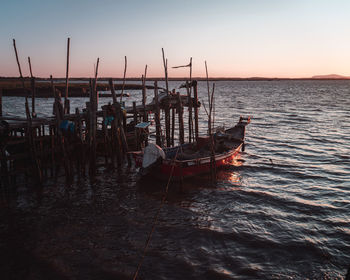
column 282, row 212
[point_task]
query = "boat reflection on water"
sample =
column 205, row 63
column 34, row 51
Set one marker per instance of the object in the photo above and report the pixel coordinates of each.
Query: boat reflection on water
column 229, row 173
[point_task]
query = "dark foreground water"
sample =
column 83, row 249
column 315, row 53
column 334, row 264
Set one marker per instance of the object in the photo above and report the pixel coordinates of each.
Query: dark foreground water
column 282, row 212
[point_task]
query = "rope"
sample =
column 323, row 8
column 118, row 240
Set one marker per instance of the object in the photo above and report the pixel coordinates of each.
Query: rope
column 155, row 219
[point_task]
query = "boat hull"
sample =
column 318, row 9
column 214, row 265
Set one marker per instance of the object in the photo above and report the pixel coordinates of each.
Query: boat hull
column 182, row 169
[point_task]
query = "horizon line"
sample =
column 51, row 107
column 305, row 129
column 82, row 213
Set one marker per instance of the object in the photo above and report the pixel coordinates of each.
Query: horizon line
column 316, row 77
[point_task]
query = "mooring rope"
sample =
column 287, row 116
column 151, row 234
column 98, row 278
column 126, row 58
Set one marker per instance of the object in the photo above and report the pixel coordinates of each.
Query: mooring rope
column 156, row 218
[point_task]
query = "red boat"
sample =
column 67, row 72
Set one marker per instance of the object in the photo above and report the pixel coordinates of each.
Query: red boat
column 189, row 159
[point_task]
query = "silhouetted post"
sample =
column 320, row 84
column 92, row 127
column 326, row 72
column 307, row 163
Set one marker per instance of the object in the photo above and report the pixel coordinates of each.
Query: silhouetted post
column 181, row 120
column 167, row 124
column 18, row 64
column 111, row 86
column 79, row 152
column 157, row 116
column 32, row 83
column 190, row 124
column 95, row 86
column 124, row 77
column 145, row 116
column 124, row 119
column 105, row 135
column 136, row 129
column 166, row 109
column 92, row 131
column 172, row 126
column 30, row 67
column 195, row 92
column 173, row 121
column 19, row 68
column 116, row 141
column 66, row 100
column 0, row 102
column 32, row 145
column 4, row 172
column 212, row 144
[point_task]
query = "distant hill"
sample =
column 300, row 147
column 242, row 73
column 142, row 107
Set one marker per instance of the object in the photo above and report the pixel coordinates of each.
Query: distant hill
column 330, row 76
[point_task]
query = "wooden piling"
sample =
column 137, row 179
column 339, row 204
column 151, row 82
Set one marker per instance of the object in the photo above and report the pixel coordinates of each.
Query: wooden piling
column 32, row 83
column 165, row 64
column 157, row 116
column 19, row 69
column 125, row 67
column 95, row 86
column 66, row 100
column 32, row 145
column 195, row 92
column 167, row 125
column 137, row 144
column 190, row 121
column 4, row 175
column 181, row 120
column 52, row 146
column 212, row 144
column 0, row 102
column 209, row 101
column 80, row 155
column 18, row 64
column 166, row 109
column 30, row 67
column 105, row 136
column 93, row 127
column 59, row 112
column 145, row 115
column 111, row 86
column 172, row 110
column 115, row 135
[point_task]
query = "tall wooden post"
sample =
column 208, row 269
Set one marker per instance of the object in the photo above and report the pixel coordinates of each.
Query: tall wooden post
column 190, row 121
column 145, row 116
column 167, row 124
column 136, row 129
column 195, row 92
column 172, row 126
column 80, row 153
column 116, row 140
column 173, row 120
column 66, row 100
column 0, row 102
column 32, row 83
column 19, row 69
column 124, row 77
column 92, row 131
column 95, row 85
column 32, row 145
column 105, row 136
column 30, row 67
column 157, row 116
column 166, row 109
column 111, row 86
column 181, row 120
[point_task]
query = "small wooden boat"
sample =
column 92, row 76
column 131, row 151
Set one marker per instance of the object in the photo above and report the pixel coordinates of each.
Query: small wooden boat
column 192, row 159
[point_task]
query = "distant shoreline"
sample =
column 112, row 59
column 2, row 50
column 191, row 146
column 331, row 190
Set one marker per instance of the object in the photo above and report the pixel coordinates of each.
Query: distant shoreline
column 8, row 79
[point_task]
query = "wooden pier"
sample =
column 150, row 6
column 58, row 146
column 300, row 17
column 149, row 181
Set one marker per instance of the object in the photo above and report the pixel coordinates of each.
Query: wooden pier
column 70, row 144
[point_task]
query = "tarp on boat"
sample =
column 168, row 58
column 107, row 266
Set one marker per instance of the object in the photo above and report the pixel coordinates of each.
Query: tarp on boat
column 151, row 154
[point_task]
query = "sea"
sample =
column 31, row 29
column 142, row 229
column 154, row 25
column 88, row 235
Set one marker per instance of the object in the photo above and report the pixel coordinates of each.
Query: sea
column 281, row 211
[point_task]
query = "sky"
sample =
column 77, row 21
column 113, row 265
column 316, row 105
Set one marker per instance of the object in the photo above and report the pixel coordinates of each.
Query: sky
column 237, row 38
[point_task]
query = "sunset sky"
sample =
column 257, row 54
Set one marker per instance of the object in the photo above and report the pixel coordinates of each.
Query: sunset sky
column 270, row 38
